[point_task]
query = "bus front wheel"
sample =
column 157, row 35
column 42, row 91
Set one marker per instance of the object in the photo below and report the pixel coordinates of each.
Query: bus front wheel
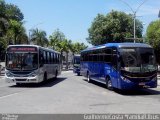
column 109, row 84
column 88, row 78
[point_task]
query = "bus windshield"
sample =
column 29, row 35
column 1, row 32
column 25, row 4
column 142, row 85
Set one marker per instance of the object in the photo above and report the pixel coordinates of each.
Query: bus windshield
column 138, row 59
column 21, row 61
column 76, row 60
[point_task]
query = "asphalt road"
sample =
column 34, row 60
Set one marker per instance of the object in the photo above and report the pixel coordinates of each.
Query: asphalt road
column 72, row 94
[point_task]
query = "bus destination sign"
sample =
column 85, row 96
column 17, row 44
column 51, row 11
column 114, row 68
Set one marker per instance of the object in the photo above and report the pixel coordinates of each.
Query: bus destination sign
column 22, row 49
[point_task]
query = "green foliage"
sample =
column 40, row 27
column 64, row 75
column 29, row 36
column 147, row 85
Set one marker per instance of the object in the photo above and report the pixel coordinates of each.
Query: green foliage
column 153, row 37
column 11, row 26
column 16, row 32
column 113, row 27
column 3, row 19
column 77, row 47
column 153, row 34
column 60, row 43
column 56, row 38
column 38, row 37
column 8, row 12
column 13, row 12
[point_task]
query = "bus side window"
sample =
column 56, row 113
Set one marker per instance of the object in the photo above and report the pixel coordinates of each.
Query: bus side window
column 51, row 58
column 41, row 57
column 101, row 55
column 114, row 57
column 44, row 55
column 107, row 55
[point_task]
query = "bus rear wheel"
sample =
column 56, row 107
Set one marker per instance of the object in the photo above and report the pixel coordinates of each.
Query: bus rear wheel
column 78, row 74
column 18, row 84
column 109, row 84
column 45, row 77
column 56, row 75
column 88, row 78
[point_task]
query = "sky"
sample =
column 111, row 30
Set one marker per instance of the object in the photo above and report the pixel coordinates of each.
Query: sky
column 74, row 17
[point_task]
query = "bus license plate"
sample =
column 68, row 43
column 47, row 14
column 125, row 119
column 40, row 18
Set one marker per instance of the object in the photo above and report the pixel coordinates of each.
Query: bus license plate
column 141, row 83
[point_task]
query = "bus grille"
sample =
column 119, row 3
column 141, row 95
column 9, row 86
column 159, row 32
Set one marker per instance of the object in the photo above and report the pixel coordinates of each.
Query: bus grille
column 21, row 79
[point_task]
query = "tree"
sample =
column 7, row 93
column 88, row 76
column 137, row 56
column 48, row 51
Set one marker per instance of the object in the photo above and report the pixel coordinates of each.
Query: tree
column 60, row 43
column 11, row 28
column 113, row 27
column 153, row 37
column 3, row 19
column 8, row 12
column 55, row 38
column 13, row 12
column 67, row 48
column 39, row 37
column 16, row 32
column 77, row 47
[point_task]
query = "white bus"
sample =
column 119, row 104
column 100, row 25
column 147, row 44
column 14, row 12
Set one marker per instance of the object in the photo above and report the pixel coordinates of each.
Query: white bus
column 31, row 64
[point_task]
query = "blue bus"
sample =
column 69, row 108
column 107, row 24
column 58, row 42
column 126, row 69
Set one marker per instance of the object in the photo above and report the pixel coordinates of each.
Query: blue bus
column 120, row 65
column 76, row 64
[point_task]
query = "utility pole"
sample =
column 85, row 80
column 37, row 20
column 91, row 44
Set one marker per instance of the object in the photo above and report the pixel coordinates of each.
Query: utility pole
column 134, row 15
column 159, row 14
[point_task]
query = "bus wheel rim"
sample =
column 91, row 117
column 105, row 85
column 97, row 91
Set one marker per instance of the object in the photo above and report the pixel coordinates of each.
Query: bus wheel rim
column 88, row 78
column 109, row 84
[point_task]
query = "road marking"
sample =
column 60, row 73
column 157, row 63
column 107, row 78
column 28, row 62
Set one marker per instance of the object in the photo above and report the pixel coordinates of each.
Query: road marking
column 8, row 95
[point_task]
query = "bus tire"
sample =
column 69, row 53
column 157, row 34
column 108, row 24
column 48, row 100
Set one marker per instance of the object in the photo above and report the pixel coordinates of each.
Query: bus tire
column 45, row 77
column 56, row 75
column 88, row 78
column 109, row 83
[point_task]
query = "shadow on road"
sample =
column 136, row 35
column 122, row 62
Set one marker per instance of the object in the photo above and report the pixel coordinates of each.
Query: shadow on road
column 96, row 83
column 48, row 83
column 137, row 92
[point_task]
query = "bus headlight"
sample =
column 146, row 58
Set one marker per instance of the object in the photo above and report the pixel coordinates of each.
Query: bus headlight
column 125, row 79
column 154, row 79
column 9, row 74
column 33, row 74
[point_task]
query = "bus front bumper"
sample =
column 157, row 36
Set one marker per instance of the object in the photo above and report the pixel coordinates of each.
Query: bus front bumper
column 133, row 85
column 76, row 70
column 21, row 80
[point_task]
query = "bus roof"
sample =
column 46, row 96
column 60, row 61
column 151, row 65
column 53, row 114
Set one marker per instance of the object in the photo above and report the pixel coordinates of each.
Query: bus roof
column 49, row 49
column 118, row 45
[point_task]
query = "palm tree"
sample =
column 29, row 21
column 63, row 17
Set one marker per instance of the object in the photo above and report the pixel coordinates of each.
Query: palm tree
column 78, row 47
column 53, row 42
column 39, row 37
column 56, row 37
column 16, row 29
column 68, row 49
column 74, row 48
column 16, row 33
column 22, row 38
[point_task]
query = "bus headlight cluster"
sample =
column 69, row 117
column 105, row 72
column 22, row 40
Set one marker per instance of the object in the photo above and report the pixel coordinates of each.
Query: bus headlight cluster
column 154, row 79
column 9, row 74
column 33, row 74
column 125, row 79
